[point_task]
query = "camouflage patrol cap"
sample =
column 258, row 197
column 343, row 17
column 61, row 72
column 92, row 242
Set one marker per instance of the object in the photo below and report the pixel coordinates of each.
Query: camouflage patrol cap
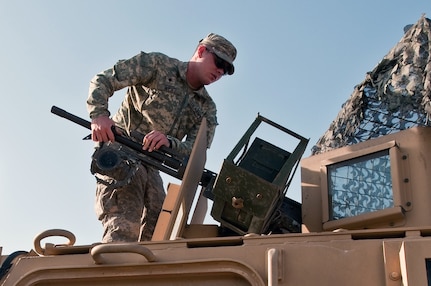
column 222, row 48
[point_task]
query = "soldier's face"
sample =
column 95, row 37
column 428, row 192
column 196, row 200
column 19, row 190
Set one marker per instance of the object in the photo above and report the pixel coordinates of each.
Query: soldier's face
column 211, row 69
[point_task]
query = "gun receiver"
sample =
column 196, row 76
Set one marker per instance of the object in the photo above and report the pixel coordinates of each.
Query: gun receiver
column 164, row 159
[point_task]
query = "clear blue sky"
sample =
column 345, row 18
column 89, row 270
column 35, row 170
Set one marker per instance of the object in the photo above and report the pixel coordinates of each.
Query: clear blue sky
column 298, row 62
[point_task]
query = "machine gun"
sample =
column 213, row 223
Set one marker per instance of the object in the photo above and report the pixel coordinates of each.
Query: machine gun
column 164, row 159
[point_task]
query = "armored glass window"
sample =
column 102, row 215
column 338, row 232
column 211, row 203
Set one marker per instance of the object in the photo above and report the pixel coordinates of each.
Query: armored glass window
column 428, row 268
column 360, row 185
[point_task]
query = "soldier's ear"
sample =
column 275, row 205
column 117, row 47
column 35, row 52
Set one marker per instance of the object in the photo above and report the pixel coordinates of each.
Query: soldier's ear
column 201, row 50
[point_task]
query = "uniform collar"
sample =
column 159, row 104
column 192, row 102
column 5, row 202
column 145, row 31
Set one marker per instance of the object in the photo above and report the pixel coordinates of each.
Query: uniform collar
column 182, row 68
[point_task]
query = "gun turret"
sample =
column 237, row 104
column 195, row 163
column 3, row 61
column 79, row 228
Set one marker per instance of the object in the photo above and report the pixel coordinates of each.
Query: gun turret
column 249, row 195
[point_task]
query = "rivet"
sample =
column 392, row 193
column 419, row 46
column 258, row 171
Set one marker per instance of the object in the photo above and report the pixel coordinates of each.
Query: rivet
column 228, row 180
column 237, row 203
column 395, row 276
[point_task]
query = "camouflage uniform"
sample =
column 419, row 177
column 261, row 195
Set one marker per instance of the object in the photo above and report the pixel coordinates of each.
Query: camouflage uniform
column 129, row 198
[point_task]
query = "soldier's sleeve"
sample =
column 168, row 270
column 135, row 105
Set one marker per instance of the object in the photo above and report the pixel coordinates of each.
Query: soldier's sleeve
column 186, row 146
column 136, row 70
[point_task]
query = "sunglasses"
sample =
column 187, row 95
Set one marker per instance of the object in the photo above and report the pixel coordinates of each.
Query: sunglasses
column 219, row 62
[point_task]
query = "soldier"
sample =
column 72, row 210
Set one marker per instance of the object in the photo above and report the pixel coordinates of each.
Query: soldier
column 166, row 99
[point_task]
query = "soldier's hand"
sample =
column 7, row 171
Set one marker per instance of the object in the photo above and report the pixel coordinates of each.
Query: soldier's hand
column 154, row 140
column 101, row 129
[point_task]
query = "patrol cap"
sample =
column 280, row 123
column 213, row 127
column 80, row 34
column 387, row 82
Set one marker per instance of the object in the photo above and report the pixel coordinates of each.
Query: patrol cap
column 222, row 48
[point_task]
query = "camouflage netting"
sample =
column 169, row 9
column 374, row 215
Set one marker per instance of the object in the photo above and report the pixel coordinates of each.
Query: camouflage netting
column 393, row 97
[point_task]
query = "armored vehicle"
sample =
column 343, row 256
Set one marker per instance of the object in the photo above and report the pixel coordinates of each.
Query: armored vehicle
column 364, row 217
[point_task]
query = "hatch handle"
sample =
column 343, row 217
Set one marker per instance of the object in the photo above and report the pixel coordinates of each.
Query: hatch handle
column 98, row 251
